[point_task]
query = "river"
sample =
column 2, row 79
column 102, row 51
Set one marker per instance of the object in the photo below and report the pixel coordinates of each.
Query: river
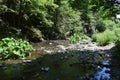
column 61, row 60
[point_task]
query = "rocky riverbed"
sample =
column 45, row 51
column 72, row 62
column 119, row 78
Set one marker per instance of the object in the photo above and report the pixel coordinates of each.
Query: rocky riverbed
column 64, row 45
column 88, row 53
column 62, row 60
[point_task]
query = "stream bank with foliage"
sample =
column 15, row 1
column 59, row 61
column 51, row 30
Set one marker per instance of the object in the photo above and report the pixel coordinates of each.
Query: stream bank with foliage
column 51, row 27
column 51, row 19
column 59, row 59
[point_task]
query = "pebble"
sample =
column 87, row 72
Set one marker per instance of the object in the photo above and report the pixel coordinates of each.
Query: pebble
column 50, row 43
column 27, row 61
column 46, row 69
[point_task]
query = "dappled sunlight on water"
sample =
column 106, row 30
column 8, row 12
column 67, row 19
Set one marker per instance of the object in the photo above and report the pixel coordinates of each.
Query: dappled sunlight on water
column 61, row 66
column 67, row 65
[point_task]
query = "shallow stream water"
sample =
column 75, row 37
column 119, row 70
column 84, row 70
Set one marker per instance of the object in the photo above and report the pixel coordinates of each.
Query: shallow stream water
column 67, row 65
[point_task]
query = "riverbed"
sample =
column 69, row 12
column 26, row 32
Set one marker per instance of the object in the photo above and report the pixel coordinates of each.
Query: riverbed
column 61, row 60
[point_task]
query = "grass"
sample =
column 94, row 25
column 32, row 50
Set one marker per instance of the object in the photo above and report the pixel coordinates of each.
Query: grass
column 105, row 37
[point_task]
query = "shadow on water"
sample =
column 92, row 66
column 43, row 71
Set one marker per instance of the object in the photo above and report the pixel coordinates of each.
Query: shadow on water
column 68, row 65
column 115, row 68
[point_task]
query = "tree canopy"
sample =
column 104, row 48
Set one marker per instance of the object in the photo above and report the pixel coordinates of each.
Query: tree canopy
column 53, row 19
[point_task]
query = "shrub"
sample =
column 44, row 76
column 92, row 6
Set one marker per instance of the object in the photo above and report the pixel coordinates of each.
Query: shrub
column 78, row 29
column 109, row 24
column 117, row 32
column 77, row 37
column 104, row 38
column 103, row 24
column 12, row 48
column 100, row 26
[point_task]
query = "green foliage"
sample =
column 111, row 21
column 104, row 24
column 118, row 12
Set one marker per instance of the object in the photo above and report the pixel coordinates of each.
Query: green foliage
column 3, row 8
column 100, row 26
column 94, row 14
column 65, row 17
column 117, row 32
column 105, row 37
column 28, row 13
column 55, row 18
column 78, row 30
column 42, row 10
column 77, row 37
column 36, row 34
column 109, row 24
column 104, row 8
column 12, row 48
column 103, row 24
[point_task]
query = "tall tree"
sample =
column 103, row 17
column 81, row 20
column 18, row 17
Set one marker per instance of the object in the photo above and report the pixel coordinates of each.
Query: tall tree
column 66, row 18
column 94, row 10
column 27, row 14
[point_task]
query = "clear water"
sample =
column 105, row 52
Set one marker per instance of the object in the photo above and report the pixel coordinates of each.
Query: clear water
column 56, row 67
column 103, row 72
column 71, row 65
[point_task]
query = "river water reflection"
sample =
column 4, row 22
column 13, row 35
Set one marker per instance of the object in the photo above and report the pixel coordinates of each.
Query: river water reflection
column 68, row 65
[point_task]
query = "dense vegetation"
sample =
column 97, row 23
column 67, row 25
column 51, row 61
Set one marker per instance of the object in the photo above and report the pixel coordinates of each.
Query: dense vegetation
column 36, row 20
column 55, row 19
column 12, row 48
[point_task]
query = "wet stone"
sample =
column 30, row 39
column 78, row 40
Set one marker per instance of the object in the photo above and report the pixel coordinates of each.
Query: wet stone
column 4, row 68
column 46, row 69
column 27, row 61
column 1, row 65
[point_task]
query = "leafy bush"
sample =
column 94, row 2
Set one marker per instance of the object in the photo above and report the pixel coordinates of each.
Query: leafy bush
column 117, row 32
column 104, row 38
column 100, row 26
column 109, row 24
column 103, row 24
column 77, row 37
column 12, row 48
column 78, row 30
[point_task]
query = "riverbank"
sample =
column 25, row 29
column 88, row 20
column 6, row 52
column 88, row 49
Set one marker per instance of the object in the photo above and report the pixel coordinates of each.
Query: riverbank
column 64, row 45
column 59, row 59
